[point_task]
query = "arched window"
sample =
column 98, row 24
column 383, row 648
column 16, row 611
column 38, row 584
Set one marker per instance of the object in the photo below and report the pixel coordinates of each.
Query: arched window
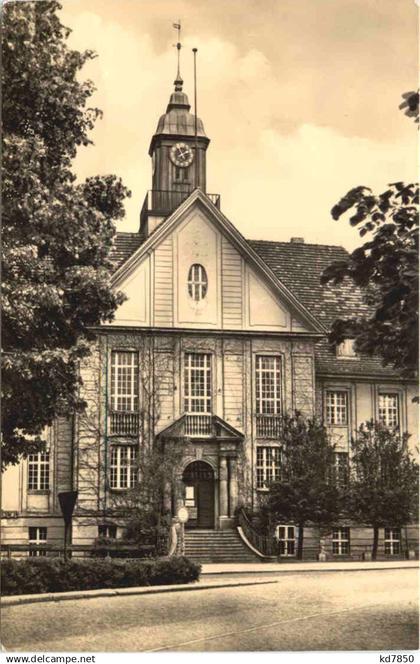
column 197, row 282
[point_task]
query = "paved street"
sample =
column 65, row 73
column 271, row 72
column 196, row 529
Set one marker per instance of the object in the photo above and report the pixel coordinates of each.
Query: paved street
column 375, row 610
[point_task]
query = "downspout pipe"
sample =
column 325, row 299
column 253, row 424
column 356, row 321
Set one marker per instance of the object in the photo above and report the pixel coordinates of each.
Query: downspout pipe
column 106, row 428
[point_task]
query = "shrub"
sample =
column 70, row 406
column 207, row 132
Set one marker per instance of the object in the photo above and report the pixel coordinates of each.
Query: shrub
column 174, row 570
column 141, row 528
column 43, row 575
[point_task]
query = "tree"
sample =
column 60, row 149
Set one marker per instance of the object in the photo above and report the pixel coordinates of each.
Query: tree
column 385, row 267
column 147, row 507
column 383, row 479
column 306, row 491
column 57, row 234
column 410, row 105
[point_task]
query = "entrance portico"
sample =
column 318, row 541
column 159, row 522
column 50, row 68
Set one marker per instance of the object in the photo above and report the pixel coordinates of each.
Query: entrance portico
column 207, row 483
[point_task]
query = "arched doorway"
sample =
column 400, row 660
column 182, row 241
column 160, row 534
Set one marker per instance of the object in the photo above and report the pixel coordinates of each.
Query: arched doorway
column 198, row 478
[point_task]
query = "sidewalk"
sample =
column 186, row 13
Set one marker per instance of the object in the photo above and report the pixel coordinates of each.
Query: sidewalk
column 313, row 566
column 214, row 579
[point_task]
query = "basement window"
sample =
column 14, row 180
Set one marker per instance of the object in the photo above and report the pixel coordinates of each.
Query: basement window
column 392, row 541
column 286, row 538
column 341, row 541
column 108, row 531
column 37, row 536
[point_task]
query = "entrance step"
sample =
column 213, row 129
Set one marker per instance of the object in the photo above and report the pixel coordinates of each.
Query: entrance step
column 217, row 546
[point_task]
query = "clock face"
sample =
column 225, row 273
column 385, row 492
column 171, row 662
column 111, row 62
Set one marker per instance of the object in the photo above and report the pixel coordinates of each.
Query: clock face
column 181, row 155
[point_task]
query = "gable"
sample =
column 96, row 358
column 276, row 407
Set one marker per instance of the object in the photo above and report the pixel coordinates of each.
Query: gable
column 197, row 242
column 136, row 309
column 264, row 310
column 241, row 291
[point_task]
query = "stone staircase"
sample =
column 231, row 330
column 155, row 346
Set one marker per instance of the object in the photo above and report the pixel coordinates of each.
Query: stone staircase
column 217, row 546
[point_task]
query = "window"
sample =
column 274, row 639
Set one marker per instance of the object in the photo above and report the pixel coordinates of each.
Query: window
column 197, row 383
column 107, row 531
column 392, row 541
column 37, row 535
column 341, row 468
column 268, row 466
column 388, row 409
column 123, row 467
column 124, row 381
column 286, row 538
column 345, row 350
column 336, row 407
column 197, row 282
column 181, row 174
column 39, row 471
column 341, row 541
column 190, row 496
column 268, row 386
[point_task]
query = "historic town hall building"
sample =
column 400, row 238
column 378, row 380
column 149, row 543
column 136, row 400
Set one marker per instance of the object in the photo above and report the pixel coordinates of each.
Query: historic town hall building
column 218, row 336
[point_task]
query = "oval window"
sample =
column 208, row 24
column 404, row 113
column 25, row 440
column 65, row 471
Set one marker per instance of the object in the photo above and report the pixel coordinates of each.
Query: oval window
column 197, row 282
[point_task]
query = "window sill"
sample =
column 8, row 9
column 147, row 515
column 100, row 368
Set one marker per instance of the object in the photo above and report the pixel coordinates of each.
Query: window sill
column 39, row 492
column 338, row 426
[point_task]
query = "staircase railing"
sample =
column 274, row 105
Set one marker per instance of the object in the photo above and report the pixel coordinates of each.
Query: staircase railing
column 266, row 545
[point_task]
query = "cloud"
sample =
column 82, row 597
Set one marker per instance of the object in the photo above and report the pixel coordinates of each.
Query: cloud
column 279, row 170
column 293, row 182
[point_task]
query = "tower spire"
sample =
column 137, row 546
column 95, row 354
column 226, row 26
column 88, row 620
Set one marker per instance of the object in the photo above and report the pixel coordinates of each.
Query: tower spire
column 178, row 83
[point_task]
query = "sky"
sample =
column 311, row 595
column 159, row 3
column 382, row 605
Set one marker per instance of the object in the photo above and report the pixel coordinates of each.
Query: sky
column 299, row 98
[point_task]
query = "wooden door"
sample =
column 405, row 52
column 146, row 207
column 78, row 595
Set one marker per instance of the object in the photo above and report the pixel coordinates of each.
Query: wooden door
column 205, row 515
column 199, row 494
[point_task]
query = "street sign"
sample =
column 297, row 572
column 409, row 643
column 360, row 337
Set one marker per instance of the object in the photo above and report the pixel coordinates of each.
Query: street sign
column 183, row 515
column 67, row 500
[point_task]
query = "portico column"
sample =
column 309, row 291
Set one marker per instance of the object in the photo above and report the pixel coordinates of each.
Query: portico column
column 223, row 487
column 167, row 496
column 179, row 493
column 233, row 486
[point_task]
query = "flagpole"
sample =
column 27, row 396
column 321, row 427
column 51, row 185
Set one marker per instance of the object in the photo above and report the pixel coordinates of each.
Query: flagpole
column 195, row 119
column 177, row 27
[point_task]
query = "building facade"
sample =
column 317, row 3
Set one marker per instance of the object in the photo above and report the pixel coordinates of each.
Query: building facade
column 218, row 337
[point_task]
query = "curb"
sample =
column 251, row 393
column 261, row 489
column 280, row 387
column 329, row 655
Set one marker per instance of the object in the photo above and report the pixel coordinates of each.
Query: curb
column 18, row 600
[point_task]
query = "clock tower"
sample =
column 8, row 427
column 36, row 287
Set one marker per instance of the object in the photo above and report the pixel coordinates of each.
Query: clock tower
column 178, row 147
column 178, row 154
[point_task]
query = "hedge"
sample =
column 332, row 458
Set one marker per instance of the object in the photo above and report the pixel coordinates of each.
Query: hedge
column 45, row 575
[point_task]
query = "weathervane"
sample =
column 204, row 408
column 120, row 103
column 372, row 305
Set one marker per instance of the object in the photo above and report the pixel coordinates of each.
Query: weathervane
column 178, row 81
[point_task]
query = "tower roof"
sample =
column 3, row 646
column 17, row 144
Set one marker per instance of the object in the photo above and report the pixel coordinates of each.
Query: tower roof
column 178, row 120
